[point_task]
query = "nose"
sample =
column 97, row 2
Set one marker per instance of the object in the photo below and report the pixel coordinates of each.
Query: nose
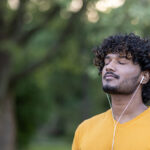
column 110, row 66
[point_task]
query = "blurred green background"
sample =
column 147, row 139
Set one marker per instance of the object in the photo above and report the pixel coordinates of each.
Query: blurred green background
column 48, row 83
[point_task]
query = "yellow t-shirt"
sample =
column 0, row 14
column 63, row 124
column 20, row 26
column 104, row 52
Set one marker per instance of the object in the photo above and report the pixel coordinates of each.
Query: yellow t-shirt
column 96, row 133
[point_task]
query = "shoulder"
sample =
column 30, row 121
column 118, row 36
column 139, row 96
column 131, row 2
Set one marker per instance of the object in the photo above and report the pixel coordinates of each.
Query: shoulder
column 89, row 126
column 93, row 121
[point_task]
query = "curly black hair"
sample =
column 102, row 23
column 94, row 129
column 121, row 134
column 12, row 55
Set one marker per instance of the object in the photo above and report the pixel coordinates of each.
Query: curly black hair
column 135, row 48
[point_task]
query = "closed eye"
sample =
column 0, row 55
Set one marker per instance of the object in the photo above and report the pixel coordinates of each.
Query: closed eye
column 106, row 61
column 122, row 63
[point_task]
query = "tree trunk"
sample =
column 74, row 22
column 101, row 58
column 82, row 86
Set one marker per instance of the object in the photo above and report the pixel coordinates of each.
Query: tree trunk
column 7, row 124
column 7, row 119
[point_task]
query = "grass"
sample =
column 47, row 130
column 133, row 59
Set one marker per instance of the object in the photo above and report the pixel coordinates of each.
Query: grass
column 51, row 145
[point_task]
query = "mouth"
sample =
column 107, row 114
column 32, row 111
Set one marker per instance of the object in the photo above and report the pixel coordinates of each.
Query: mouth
column 110, row 76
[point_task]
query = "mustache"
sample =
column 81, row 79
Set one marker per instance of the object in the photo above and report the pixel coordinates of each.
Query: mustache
column 112, row 74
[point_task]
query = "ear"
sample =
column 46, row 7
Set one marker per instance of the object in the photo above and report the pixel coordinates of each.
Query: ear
column 146, row 75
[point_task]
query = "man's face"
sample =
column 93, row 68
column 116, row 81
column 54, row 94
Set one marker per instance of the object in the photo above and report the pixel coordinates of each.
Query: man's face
column 120, row 75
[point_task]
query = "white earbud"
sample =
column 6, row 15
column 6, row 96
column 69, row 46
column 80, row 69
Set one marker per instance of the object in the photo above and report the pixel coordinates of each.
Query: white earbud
column 142, row 80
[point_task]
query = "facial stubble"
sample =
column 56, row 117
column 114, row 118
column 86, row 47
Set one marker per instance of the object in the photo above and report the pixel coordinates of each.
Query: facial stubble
column 125, row 87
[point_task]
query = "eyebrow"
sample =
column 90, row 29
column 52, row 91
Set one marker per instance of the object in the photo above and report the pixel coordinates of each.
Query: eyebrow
column 107, row 57
column 122, row 56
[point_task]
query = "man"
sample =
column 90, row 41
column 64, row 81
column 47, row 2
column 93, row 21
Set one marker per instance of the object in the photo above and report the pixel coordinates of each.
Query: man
column 124, row 64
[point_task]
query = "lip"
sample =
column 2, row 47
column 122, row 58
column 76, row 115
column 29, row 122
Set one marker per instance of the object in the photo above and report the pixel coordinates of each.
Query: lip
column 109, row 77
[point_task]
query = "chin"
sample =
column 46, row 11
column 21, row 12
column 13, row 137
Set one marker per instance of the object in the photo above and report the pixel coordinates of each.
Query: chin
column 117, row 90
column 110, row 89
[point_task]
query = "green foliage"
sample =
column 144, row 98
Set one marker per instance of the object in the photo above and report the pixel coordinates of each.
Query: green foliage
column 66, row 89
column 55, row 145
column 31, row 112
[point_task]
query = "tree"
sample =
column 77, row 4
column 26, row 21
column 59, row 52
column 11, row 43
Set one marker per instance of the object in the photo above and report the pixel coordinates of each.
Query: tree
column 45, row 54
column 15, row 34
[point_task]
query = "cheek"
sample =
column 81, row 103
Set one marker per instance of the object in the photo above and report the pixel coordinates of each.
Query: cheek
column 102, row 74
column 103, row 71
column 129, row 72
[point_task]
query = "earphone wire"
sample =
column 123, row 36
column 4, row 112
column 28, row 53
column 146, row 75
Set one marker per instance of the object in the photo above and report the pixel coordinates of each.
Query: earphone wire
column 117, row 121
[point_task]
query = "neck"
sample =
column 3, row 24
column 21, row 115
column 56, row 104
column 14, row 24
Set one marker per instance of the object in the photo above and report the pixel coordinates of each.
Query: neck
column 119, row 103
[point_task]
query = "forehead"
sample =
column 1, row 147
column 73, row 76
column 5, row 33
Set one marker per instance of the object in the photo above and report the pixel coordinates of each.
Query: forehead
column 119, row 55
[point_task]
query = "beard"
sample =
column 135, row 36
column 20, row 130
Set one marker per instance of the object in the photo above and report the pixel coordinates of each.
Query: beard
column 125, row 87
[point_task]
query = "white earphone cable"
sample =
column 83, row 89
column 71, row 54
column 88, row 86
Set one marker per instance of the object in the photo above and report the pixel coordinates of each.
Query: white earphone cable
column 115, row 124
